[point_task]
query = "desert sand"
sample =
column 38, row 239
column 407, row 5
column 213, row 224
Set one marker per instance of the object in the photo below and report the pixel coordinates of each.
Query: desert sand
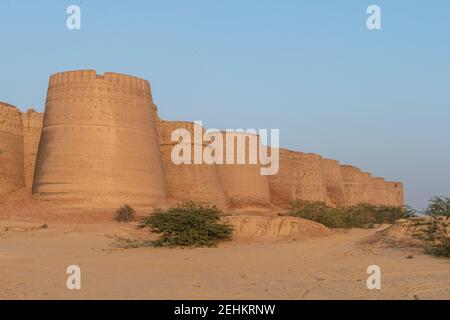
column 307, row 262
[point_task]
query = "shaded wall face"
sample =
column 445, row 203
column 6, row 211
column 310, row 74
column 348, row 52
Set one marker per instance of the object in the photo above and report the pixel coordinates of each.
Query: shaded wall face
column 353, row 185
column 391, row 194
column 99, row 142
column 281, row 185
column 368, row 188
column 380, row 191
column 243, row 184
column 32, row 128
column 334, row 183
column 308, row 175
column 400, row 198
column 188, row 182
column 11, row 149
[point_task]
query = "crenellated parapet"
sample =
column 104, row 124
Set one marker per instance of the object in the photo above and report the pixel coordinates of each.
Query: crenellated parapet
column 10, row 119
column 116, row 80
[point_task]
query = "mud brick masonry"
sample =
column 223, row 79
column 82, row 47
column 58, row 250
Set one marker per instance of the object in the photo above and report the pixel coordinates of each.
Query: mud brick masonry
column 101, row 141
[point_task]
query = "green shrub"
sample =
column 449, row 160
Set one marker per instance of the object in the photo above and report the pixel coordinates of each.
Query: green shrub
column 359, row 216
column 125, row 214
column 188, row 225
column 318, row 212
column 432, row 226
column 439, row 206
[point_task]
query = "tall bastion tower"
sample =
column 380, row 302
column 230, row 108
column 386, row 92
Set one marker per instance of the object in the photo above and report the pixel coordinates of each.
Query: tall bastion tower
column 99, row 141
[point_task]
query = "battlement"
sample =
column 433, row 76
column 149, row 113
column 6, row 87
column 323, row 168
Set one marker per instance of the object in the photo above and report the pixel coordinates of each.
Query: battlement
column 301, row 155
column 10, row 119
column 366, row 174
column 91, row 75
column 394, row 185
column 7, row 105
column 350, row 171
column 332, row 162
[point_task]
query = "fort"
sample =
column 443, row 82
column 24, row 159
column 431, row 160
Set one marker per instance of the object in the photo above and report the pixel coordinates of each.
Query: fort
column 101, row 143
column 198, row 146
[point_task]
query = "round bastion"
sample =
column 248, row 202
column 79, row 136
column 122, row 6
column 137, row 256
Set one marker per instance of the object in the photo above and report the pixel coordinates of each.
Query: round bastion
column 99, row 141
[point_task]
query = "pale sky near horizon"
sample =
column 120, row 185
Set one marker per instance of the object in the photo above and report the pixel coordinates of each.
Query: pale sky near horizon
column 379, row 100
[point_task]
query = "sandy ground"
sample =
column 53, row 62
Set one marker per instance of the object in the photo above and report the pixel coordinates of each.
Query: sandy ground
column 33, row 264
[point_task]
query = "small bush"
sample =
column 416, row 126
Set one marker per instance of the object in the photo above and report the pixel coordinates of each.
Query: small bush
column 188, row 225
column 359, row 216
column 439, row 206
column 318, row 212
column 432, row 226
column 125, row 214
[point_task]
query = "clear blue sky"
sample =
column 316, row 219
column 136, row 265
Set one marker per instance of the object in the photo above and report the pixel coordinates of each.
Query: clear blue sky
column 379, row 100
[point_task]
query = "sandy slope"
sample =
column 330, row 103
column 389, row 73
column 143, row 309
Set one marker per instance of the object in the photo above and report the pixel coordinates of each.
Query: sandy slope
column 33, row 262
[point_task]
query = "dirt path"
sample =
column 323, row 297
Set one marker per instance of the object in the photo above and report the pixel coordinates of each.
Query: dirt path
column 33, row 263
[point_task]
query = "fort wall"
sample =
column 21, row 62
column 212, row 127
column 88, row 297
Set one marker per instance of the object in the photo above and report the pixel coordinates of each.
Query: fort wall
column 281, row 185
column 188, row 182
column 334, row 183
column 394, row 194
column 32, row 128
column 308, row 173
column 99, row 141
column 400, row 194
column 243, row 184
column 380, row 191
column 368, row 188
column 353, row 185
column 11, row 149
